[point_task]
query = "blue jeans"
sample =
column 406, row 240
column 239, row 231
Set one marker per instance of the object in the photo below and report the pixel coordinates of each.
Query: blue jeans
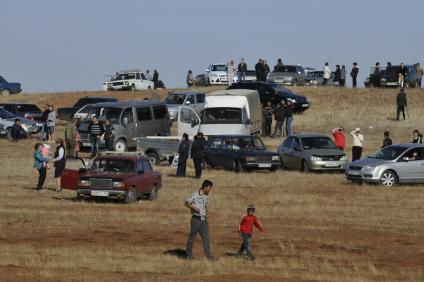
column 241, row 76
column 94, row 145
column 246, row 245
column 289, row 126
column 43, row 132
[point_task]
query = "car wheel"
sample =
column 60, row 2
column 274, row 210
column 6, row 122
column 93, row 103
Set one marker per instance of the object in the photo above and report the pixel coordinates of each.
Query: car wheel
column 153, row 158
column 133, row 88
column 153, row 194
column 5, row 92
column 120, row 146
column 131, row 196
column 388, row 178
column 305, row 167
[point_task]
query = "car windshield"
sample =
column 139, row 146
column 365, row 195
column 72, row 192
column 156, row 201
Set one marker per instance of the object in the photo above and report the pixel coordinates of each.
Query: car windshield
column 222, row 115
column 245, row 143
column 24, row 108
column 285, row 69
column 309, row 143
column 2, row 80
column 176, row 99
column 86, row 109
column 4, row 114
column 125, row 76
column 388, row 153
column 112, row 165
column 219, row 68
column 105, row 113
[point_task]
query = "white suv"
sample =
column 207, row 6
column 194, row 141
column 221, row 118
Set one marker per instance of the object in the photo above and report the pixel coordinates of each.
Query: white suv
column 216, row 74
column 127, row 80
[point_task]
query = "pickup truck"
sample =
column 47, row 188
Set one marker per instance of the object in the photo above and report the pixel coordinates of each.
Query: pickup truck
column 119, row 176
column 7, row 88
column 68, row 113
column 158, row 148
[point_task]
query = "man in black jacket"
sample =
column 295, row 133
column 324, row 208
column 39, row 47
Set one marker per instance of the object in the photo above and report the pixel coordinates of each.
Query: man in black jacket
column 183, row 151
column 268, row 118
column 260, row 70
column 109, row 135
column 242, row 69
column 401, row 104
column 354, row 74
column 44, row 132
column 387, row 140
column 280, row 116
column 197, row 153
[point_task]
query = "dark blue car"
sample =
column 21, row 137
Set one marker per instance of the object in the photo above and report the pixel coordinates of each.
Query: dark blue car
column 7, row 88
column 240, row 153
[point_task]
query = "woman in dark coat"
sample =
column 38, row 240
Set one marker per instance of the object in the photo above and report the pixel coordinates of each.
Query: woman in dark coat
column 59, row 162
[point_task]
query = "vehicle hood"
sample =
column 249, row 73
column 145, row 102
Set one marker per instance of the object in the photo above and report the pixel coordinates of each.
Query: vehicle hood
column 324, row 152
column 368, row 161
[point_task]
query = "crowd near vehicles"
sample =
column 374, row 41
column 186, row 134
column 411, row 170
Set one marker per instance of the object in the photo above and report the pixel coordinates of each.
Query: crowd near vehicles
column 68, row 113
column 312, row 152
column 389, row 77
column 194, row 100
column 7, row 88
column 7, row 119
column 396, row 164
column 240, row 153
column 125, row 177
column 316, row 78
column 216, row 74
column 23, row 110
column 288, row 75
column 127, row 80
column 225, row 112
column 129, row 119
column 274, row 93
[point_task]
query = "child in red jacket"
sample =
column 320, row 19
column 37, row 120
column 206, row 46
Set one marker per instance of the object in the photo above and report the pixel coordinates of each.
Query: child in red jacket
column 246, row 230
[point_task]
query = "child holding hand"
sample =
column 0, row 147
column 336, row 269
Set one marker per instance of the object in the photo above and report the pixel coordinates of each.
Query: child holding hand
column 246, row 230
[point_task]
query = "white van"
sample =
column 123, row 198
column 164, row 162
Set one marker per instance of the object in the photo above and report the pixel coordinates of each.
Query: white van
column 235, row 111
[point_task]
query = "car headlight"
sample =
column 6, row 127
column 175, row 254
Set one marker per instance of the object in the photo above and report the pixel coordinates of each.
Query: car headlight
column 84, row 183
column 214, row 75
column 369, row 167
column 315, row 158
column 275, row 158
column 118, row 184
column 343, row 158
column 250, row 158
column 289, row 77
column 109, row 85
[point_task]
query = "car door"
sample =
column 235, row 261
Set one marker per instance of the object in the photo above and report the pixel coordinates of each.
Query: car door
column 188, row 121
column 228, row 151
column 144, row 177
column 413, row 169
column 285, row 151
column 145, row 122
column 296, row 154
column 71, row 173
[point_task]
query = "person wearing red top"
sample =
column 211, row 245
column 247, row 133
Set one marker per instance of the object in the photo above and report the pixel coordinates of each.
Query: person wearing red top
column 339, row 138
column 246, row 230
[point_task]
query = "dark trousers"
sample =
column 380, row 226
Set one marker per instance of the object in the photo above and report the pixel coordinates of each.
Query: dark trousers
column 94, row 145
column 356, row 153
column 202, row 227
column 342, row 82
column 354, row 82
column 198, row 166
column 419, row 82
column 278, row 131
column 400, row 109
column 181, row 168
column 109, row 144
column 245, row 245
column 268, row 124
column 325, row 81
column 70, row 148
column 41, row 177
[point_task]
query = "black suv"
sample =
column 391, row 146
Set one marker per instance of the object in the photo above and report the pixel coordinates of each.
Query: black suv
column 68, row 113
column 274, row 93
column 240, row 153
column 390, row 78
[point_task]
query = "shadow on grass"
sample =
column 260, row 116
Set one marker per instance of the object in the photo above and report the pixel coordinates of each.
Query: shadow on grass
column 179, row 253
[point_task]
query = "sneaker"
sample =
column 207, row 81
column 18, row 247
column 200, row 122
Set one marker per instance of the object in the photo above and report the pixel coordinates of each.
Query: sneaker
column 212, row 258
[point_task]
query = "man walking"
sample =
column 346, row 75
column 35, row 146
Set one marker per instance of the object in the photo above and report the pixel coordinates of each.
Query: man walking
column 354, row 74
column 401, row 104
column 279, row 116
column 342, row 82
column 198, row 204
column 71, row 138
column 358, row 141
column 197, row 152
column 326, row 74
column 242, row 69
column 183, row 151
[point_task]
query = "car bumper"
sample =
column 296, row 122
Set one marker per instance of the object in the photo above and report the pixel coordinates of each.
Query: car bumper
column 389, row 84
column 358, row 175
column 111, row 194
column 328, row 165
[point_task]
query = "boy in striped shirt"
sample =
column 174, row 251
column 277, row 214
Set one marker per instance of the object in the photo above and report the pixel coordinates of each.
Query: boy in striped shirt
column 246, row 230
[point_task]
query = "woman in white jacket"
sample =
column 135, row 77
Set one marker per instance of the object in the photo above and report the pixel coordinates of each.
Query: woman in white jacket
column 326, row 74
column 358, row 142
column 51, row 123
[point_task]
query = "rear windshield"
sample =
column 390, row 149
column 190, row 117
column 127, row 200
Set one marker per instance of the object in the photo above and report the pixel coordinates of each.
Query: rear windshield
column 24, row 108
column 244, row 143
column 113, row 165
column 318, row 143
column 177, row 99
column 285, row 69
column 222, row 115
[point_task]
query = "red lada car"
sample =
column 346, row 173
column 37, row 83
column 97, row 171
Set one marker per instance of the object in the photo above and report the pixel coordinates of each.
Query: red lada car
column 118, row 176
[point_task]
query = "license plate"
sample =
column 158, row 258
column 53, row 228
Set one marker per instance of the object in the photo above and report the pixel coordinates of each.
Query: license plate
column 100, row 193
column 305, row 105
column 264, row 165
column 332, row 164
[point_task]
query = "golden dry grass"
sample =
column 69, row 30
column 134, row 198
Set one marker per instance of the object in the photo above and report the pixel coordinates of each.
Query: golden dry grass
column 318, row 226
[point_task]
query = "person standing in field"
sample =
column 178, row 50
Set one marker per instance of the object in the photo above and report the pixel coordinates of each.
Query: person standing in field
column 268, row 118
column 279, row 116
column 377, row 75
column 358, row 143
column 197, row 153
column 183, row 151
column 339, row 137
column 59, row 162
column 354, row 74
column 401, row 103
column 149, row 75
column 155, row 78
column 44, row 116
column 109, row 135
column 39, row 164
column 260, row 70
column 51, row 123
column 190, row 79
column 402, row 73
column 326, row 74
column 242, row 69
column 387, row 140
column 342, row 82
column 337, row 74
column 279, row 65
column 420, row 73
column 417, row 138
column 231, row 72
column 289, row 117
column 96, row 130
column 198, row 203
column 267, row 70
column 246, row 231
column 71, row 138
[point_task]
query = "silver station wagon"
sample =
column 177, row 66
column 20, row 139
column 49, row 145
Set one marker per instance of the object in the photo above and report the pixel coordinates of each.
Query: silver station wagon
column 396, row 164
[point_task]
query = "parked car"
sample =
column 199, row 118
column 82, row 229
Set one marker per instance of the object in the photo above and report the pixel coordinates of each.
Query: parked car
column 274, row 93
column 127, row 80
column 129, row 119
column 288, row 75
column 249, row 75
column 7, row 119
column 83, row 112
column 7, row 88
column 200, row 80
column 395, row 164
column 3, row 131
column 28, row 111
column 240, row 153
column 68, row 113
column 122, row 177
column 390, row 78
column 311, row 152
column 194, row 100
column 316, row 78
column 216, row 74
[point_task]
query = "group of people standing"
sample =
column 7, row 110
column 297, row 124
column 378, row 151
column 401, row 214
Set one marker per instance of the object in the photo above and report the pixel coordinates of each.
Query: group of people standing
column 196, row 152
column 358, row 141
column 281, row 113
column 48, row 120
column 340, row 75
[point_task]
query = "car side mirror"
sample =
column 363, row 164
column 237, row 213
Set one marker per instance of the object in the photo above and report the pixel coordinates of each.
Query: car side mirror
column 125, row 121
column 405, row 159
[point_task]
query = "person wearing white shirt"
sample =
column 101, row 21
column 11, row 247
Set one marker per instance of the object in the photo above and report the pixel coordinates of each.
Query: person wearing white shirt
column 326, row 74
column 358, row 142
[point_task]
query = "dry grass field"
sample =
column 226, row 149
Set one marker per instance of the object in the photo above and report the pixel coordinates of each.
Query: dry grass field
column 318, row 227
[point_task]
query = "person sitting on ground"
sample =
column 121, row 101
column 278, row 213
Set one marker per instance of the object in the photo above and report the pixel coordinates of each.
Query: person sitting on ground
column 418, row 137
column 17, row 131
column 339, row 138
column 246, row 231
column 387, row 140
